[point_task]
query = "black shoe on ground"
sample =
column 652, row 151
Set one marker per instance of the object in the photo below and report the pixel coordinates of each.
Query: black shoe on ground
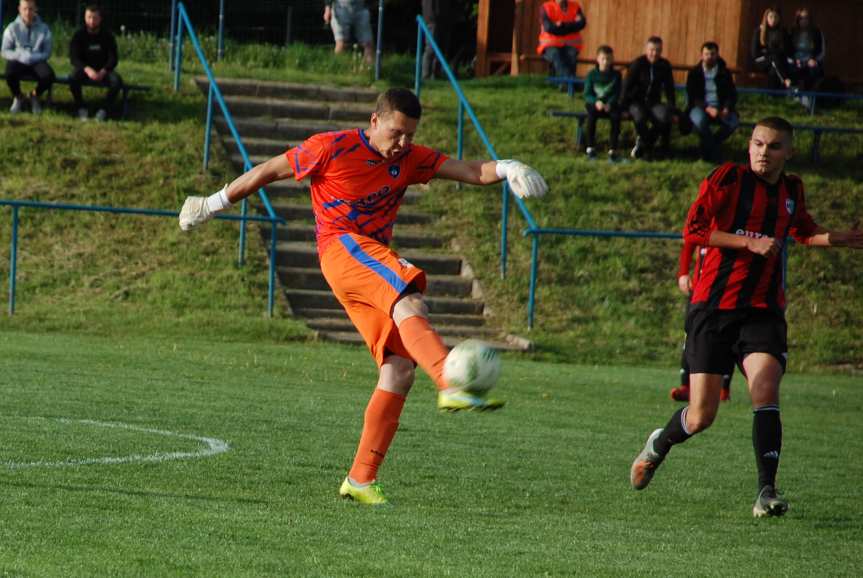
column 768, row 503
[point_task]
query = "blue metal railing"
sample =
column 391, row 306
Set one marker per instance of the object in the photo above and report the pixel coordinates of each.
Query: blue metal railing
column 183, row 23
column 18, row 205
column 465, row 107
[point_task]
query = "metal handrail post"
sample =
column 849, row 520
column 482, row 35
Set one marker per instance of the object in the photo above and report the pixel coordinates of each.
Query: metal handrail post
column 272, row 289
column 220, row 52
column 178, row 56
column 13, row 261
column 504, row 225
column 460, row 150
column 418, row 69
column 378, row 50
column 534, row 265
column 241, row 259
column 209, row 127
column 171, row 34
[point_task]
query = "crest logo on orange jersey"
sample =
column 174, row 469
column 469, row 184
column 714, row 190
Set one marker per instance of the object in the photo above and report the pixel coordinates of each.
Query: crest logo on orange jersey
column 394, row 171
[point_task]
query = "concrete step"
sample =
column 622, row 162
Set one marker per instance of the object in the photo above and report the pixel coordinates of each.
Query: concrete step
column 305, row 255
column 437, row 319
column 275, row 89
column 336, row 324
column 313, row 279
column 403, row 237
column 297, row 212
column 353, row 337
column 256, row 146
column 285, row 129
column 307, row 298
column 246, row 106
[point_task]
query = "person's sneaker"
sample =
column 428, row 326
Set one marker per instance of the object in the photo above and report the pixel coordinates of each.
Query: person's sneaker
column 612, row 156
column 35, row 105
column 466, row 401
column 369, row 494
column 768, row 503
column 725, row 394
column 645, row 464
column 591, row 153
column 680, row 393
column 638, row 150
column 101, row 115
column 83, row 114
column 17, row 105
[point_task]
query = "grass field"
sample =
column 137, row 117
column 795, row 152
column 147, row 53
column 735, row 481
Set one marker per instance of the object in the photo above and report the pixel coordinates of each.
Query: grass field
column 539, row 488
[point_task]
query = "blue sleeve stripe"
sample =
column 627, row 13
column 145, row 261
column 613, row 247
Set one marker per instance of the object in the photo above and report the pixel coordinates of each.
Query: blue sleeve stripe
column 382, row 270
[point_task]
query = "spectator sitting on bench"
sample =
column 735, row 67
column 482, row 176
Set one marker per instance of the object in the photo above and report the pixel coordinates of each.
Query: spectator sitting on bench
column 602, row 99
column 26, row 49
column 807, row 51
column 560, row 35
column 711, row 98
column 647, row 78
column 770, row 50
column 93, row 53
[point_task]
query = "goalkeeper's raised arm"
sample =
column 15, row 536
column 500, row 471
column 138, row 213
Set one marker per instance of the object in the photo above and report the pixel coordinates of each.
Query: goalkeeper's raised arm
column 197, row 210
column 523, row 180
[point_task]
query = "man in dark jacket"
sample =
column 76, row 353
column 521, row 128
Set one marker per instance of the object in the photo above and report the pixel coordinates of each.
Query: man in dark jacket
column 93, row 53
column 648, row 77
column 711, row 99
column 438, row 17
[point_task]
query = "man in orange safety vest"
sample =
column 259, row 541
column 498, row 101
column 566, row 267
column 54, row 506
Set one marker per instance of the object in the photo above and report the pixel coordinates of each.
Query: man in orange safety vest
column 560, row 35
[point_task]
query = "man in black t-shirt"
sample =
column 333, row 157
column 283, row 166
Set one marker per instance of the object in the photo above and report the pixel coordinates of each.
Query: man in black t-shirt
column 742, row 215
column 93, row 53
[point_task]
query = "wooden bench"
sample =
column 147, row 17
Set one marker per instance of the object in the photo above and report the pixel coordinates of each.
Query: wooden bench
column 814, row 152
column 125, row 89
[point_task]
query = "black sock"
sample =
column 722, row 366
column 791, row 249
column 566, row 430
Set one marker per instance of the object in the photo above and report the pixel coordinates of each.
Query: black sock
column 767, row 441
column 673, row 433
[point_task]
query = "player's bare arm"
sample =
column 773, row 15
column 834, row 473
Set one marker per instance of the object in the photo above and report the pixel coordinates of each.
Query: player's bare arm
column 523, row 180
column 853, row 238
column 765, row 246
column 197, row 210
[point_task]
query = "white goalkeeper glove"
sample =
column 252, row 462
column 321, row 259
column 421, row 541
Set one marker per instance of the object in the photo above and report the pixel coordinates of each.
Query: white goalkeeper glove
column 197, row 210
column 524, row 181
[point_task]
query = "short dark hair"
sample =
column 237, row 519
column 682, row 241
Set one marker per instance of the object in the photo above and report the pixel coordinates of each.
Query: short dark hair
column 605, row 49
column 777, row 123
column 654, row 40
column 93, row 8
column 399, row 100
column 710, row 45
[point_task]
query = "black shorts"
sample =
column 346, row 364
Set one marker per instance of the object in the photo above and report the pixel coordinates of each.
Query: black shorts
column 717, row 339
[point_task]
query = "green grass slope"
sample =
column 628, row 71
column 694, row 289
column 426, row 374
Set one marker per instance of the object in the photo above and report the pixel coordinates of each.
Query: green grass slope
column 598, row 300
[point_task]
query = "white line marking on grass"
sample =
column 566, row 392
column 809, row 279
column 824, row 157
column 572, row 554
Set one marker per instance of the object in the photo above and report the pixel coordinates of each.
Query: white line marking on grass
column 213, row 447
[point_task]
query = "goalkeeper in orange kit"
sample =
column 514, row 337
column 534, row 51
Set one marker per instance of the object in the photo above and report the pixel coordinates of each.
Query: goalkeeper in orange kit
column 358, row 180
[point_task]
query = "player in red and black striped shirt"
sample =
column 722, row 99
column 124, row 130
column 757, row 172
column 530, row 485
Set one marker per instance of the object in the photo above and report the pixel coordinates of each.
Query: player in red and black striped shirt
column 742, row 215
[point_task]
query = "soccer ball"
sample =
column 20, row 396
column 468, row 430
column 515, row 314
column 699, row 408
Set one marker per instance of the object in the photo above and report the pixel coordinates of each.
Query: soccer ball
column 473, row 366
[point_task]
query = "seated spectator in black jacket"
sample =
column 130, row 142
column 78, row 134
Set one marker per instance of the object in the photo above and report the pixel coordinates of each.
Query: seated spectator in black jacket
column 93, row 53
column 648, row 77
column 711, row 99
column 807, row 50
column 770, row 49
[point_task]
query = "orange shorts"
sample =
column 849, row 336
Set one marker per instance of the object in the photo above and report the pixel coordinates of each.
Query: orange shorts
column 367, row 278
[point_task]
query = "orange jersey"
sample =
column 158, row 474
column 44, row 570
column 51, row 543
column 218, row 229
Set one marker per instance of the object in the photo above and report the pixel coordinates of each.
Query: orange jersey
column 354, row 188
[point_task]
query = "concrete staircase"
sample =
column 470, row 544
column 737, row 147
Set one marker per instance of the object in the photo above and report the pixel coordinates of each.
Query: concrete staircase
column 271, row 117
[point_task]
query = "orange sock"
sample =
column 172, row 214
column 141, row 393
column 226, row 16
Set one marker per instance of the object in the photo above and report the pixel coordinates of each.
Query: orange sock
column 379, row 428
column 425, row 346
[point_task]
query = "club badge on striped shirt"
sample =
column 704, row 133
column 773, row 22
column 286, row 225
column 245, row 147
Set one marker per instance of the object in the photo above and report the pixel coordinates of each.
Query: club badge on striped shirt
column 789, row 206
